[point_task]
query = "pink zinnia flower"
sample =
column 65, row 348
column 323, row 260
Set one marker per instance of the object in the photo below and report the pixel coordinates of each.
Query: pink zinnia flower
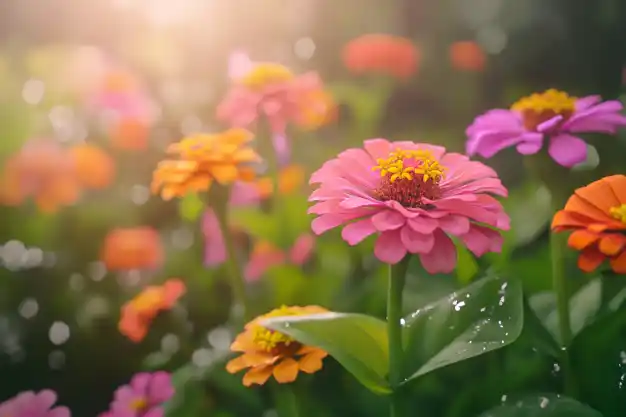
column 265, row 256
column 420, row 197
column 551, row 115
column 31, row 404
column 272, row 91
column 144, row 396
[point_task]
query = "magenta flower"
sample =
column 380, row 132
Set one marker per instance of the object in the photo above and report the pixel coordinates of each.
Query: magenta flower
column 144, row 396
column 420, row 197
column 268, row 90
column 554, row 116
column 31, row 404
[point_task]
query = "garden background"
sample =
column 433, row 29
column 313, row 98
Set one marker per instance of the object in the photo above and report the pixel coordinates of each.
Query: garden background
column 59, row 306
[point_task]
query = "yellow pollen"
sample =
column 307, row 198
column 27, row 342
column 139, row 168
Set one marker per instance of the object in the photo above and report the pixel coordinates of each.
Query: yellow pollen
column 138, row 404
column 424, row 165
column 266, row 339
column 619, row 213
column 265, row 74
column 540, row 107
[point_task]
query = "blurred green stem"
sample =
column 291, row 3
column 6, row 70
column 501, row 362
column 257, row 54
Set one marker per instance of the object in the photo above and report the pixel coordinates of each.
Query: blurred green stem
column 559, row 283
column 286, row 401
column 219, row 197
column 397, row 279
column 273, row 163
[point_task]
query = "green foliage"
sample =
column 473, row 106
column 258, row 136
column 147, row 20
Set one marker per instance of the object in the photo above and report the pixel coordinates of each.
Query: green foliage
column 549, row 405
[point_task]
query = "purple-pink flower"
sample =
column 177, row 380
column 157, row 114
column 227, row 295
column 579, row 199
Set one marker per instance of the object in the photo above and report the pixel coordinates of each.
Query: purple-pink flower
column 271, row 91
column 420, row 197
column 144, row 396
column 552, row 115
column 31, row 404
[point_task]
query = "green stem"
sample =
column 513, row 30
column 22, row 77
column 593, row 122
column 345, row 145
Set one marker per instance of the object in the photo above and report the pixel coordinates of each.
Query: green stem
column 559, row 283
column 238, row 283
column 397, row 279
column 286, row 401
column 277, row 206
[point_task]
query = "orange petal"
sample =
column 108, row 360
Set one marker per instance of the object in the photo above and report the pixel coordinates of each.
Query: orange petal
column 236, row 365
column 224, row 174
column 567, row 219
column 611, row 245
column 173, row 289
column 312, row 362
column 580, row 239
column 258, row 376
column 618, row 264
column 590, row 259
column 582, row 207
column 618, row 185
column 259, row 358
column 242, row 343
column 286, row 371
column 599, row 194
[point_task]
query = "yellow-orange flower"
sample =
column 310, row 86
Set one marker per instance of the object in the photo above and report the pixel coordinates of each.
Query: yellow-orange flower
column 266, row 352
column 290, row 179
column 317, row 108
column 202, row 159
column 138, row 313
column 130, row 133
column 132, row 248
column 94, row 167
column 597, row 216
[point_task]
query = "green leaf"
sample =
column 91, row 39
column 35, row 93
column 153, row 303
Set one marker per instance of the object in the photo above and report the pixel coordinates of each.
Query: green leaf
column 482, row 317
column 467, row 267
column 189, row 397
column 356, row 341
column 550, row 405
column 191, row 207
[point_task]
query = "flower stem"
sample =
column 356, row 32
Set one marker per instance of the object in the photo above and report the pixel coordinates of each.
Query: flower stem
column 559, row 283
column 220, row 197
column 286, row 401
column 397, row 279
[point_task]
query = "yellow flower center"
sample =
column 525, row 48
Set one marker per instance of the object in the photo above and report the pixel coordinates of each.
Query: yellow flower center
column 409, row 177
column 619, row 213
column 266, row 74
column 273, row 341
column 540, row 107
column 138, row 404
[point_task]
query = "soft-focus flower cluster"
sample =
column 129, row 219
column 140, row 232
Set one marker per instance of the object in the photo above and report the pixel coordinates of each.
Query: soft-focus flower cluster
column 467, row 56
column 266, row 352
column 596, row 215
column 381, row 54
column 33, row 404
column 138, row 313
column 552, row 116
column 132, row 248
column 203, row 159
column 266, row 255
column 52, row 175
column 144, row 396
column 415, row 197
column 271, row 91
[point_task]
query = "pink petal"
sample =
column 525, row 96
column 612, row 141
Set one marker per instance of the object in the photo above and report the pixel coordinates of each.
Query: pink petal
column 59, row 412
column 326, row 222
column 442, row 257
column 239, row 64
column 302, row 249
column 416, row 242
column 260, row 262
column 455, row 225
column 377, row 148
column 567, row 150
column 388, row 220
column 423, row 225
column 389, row 247
column 480, row 240
column 355, row 233
column 549, row 124
column 531, row 143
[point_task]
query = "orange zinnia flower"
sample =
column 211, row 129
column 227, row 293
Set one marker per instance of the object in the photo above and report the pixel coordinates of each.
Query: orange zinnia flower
column 224, row 157
column 132, row 248
column 130, row 133
column 467, row 56
column 266, row 352
column 597, row 216
column 94, row 167
column 138, row 313
column 290, row 179
column 384, row 54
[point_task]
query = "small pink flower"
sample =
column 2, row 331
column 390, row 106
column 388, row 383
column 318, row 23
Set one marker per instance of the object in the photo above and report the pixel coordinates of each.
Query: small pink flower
column 554, row 116
column 144, row 396
column 268, row 90
column 31, row 404
column 420, row 197
column 265, row 256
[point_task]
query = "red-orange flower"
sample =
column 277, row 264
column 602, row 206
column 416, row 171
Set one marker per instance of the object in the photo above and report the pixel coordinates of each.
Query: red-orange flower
column 202, row 159
column 597, row 216
column 132, row 248
column 467, row 56
column 384, row 54
column 129, row 133
column 138, row 313
column 266, row 352
column 94, row 167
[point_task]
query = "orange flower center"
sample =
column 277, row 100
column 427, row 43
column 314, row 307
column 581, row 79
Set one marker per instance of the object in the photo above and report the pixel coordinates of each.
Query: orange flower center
column 540, row 107
column 266, row 74
column 409, row 177
column 139, row 404
column 619, row 213
column 275, row 342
